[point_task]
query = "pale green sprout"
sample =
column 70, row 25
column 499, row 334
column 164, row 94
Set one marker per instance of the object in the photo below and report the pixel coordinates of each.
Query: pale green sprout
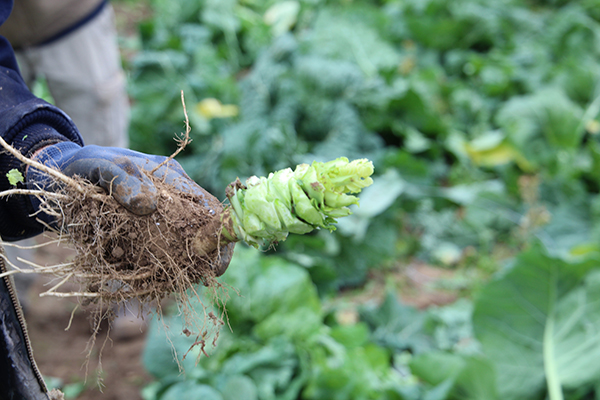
column 312, row 196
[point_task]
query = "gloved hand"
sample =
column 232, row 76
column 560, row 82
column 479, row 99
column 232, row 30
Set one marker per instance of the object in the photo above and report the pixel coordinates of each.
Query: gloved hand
column 119, row 172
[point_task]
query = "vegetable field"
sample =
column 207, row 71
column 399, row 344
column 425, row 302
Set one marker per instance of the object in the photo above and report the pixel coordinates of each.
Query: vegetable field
column 482, row 120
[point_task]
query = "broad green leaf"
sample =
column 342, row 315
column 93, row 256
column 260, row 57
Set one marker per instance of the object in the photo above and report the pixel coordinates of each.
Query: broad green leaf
column 541, row 124
column 73, row 390
column 477, row 381
column 570, row 227
column 273, row 367
column 451, row 328
column 158, row 358
column 437, row 367
column 150, row 392
column 416, row 142
column 299, row 324
column 351, row 335
column 267, row 286
column 191, row 390
column 166, row 345
column 343, row 34
column 221, row 14
column 539, row 324
column 466, row 194
column 374, row 200
column 397, row 326
column 460, row 377
column 239, row 387
column 340, row 373
column 276, row 355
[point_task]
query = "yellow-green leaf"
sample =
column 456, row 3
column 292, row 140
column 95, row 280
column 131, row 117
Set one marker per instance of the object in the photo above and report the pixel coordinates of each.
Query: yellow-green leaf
column 14, row 176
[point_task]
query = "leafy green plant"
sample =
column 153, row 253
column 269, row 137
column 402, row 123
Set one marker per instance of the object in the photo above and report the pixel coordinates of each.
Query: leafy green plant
column 538, row 325
column 279, row 346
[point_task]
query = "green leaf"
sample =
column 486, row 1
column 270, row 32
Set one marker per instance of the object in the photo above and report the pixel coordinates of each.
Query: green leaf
column 351, row 335
column 272, row 367
column 540, row 324
column 282, row 16
column 221, row 15
column 569, row 228
column 73, row 390
column 460, row 377
column 268, row 286
column 299, row 324
column 451, row 327
column 543, row 124
column 165, row 337
column 341, row 33
column 239, row 387
column 491, row 149
column 14, row 176
column 374, row 200
column 191, row 390
column 437, row 367
column 397, row 326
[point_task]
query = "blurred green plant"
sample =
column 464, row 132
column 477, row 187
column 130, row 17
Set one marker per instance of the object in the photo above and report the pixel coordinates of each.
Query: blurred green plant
column 482, row 119
column 276, row 345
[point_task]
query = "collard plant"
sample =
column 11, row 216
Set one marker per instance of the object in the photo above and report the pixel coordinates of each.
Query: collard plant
column 533, row 331
column 538, row 324
column 401, row 84
column 187, row 233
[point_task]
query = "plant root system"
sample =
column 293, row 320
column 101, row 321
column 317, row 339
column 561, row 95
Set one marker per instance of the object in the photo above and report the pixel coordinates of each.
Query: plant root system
column 120, row 255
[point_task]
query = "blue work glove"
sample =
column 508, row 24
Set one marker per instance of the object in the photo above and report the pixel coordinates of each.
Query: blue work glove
column 119, row 172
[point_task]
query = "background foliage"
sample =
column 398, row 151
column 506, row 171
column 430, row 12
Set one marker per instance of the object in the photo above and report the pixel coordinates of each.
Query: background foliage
column 482, row 120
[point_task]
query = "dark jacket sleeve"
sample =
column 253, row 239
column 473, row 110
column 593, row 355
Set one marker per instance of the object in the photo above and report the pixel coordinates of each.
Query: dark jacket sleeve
column 27, row 123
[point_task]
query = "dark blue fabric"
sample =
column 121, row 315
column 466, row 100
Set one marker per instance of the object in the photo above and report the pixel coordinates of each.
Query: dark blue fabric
column 119, row 171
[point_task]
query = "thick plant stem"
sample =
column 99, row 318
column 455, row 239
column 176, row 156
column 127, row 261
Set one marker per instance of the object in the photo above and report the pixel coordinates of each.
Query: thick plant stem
column 215, row 235
column 552, row 376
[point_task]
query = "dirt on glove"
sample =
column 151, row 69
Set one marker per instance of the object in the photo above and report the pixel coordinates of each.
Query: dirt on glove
column 121, row 255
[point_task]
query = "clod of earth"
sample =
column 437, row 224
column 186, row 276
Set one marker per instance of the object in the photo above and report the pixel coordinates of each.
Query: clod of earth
column 120, row 255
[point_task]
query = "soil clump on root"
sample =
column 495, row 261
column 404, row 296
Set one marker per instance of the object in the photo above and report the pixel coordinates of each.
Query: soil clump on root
column 121, row 255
